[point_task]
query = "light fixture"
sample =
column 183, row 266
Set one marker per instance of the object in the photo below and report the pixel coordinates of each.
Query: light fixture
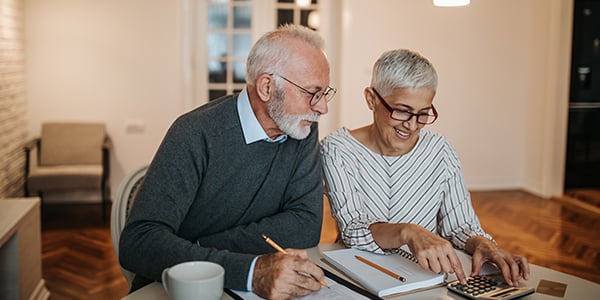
column 303, row 3
column 448, row 3
column 313, row 20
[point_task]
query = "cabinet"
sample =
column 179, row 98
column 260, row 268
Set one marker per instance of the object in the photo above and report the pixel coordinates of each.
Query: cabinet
column 20, row 250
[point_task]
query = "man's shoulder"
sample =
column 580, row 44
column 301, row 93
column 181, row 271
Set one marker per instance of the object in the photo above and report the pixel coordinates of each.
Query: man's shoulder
column 216, row 114
column 216, row 108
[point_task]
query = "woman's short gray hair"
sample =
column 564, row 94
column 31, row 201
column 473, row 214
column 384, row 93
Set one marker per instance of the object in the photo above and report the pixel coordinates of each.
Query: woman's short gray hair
column 402, row 68
column 271, row 51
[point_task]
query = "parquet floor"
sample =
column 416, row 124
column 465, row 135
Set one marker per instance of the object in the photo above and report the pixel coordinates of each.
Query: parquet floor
column 552, row 233
column 79, row 262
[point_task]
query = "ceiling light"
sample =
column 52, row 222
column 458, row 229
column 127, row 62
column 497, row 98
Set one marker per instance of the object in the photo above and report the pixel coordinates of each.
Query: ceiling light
column 447, row 3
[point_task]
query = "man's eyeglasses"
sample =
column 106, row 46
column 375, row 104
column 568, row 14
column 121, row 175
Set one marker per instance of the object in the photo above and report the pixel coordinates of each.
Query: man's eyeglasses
column 403, row 115
column 315, row 97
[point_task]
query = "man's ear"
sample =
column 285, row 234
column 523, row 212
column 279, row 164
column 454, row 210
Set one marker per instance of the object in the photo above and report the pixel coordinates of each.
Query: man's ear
column 265, row 87
column 370, row 98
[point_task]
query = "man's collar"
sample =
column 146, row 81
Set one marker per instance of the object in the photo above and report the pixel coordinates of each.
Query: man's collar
column 251, row 128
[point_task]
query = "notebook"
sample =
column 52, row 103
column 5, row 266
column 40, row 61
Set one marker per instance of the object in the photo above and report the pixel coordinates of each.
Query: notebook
column 338, row 289
column 377, row 281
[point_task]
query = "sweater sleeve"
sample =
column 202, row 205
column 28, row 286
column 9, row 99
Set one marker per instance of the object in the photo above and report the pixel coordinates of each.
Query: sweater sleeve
column 150, row 242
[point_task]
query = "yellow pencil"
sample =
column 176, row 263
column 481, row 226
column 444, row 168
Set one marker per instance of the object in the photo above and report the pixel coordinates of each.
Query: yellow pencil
column 380, row 268
column 278, row 248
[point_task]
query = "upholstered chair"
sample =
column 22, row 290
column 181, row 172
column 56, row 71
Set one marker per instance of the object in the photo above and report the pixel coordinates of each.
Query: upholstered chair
column 69, row 156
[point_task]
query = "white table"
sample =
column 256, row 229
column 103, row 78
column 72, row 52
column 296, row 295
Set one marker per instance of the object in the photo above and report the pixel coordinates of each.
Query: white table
column 577, row 288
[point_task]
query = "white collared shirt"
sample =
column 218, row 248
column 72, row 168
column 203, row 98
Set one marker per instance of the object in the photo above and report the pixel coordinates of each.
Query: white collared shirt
column 251, row 128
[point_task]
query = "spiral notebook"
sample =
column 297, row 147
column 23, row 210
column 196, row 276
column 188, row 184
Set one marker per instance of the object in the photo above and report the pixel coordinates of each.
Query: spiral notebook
column 372, row 273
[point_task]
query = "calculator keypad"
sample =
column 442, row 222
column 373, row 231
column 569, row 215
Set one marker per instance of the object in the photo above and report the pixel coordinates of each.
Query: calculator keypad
column 484, row 287
column 476, row 285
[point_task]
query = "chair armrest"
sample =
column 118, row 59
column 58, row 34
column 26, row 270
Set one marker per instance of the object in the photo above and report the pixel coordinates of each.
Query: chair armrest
column 107, row 144
column 30, row 145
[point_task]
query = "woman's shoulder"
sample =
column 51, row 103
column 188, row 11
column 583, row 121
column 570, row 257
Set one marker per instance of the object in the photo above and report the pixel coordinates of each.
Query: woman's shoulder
column 340, row 136
column 433, row 136
column 435, row 142
column 340, row 140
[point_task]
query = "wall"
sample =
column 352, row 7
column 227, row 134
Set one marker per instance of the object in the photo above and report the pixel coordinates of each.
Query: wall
column 548, row 95
column 106, row 60
column 499, row 64
column 499, row 97
column 13, row 108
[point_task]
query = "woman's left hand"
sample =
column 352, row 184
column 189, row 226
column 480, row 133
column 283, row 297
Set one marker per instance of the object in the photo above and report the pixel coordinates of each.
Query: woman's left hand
column 512, row 267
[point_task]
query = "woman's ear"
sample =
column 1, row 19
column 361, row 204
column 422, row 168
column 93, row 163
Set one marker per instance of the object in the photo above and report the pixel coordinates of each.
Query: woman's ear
column 265, row 87
column 370, row 98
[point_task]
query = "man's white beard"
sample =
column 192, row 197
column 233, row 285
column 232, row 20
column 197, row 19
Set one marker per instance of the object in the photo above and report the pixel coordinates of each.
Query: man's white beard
column 288, row 123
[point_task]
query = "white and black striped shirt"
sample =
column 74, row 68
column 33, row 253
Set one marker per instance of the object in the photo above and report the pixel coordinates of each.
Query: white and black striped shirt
column 424, row 186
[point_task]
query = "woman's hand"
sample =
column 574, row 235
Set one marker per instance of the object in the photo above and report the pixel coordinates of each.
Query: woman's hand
column 433, row 252
column 483, row 250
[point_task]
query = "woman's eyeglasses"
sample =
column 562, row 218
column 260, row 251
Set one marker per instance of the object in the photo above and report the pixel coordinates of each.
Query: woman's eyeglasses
column 403, row 115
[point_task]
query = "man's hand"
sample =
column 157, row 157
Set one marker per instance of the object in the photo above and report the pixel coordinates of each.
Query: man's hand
column 286, row 276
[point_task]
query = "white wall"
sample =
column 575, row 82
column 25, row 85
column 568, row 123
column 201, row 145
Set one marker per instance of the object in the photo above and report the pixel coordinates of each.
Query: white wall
column 498, row 61
column 115, row 61
column 494, row 64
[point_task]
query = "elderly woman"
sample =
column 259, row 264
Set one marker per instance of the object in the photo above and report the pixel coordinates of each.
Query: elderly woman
column 393, row 182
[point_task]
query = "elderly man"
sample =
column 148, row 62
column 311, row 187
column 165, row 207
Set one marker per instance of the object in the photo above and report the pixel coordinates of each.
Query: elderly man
column 238, row 167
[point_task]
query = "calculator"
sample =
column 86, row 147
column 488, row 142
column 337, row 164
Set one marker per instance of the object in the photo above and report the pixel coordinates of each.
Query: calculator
column 488, row 287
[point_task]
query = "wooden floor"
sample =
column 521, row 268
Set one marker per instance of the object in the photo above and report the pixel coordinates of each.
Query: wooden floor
column 79, row 261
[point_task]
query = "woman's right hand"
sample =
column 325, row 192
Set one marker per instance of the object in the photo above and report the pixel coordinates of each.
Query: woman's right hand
column 432, row 251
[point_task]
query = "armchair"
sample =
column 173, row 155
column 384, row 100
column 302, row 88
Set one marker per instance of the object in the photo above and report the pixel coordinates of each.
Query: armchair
column 69, row 157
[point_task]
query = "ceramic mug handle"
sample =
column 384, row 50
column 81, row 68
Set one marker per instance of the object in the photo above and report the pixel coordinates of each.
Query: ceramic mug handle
column 164, row 279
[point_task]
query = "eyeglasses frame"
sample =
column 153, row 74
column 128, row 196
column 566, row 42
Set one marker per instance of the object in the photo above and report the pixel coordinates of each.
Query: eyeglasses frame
column 312, row 101
column 392, row 110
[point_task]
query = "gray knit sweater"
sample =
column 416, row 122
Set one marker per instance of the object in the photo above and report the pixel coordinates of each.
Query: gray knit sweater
column 208, row 196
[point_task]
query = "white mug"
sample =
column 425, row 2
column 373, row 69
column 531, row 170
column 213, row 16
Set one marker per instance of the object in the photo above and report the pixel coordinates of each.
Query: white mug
column 194, row 280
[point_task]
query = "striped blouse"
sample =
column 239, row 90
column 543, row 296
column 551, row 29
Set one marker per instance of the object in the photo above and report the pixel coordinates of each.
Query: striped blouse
column 424, row 186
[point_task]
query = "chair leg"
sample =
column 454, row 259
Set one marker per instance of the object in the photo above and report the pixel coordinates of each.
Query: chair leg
column 103, row 207
column 41, row 196
column 105, row 196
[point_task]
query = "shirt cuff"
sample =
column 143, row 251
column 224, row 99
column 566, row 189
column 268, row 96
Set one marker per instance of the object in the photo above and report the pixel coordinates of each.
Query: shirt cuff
column 251, row 275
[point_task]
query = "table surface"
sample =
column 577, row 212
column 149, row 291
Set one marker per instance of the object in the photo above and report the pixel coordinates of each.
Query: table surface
column 577, row 288
column 20, row 249
column 12, row 212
